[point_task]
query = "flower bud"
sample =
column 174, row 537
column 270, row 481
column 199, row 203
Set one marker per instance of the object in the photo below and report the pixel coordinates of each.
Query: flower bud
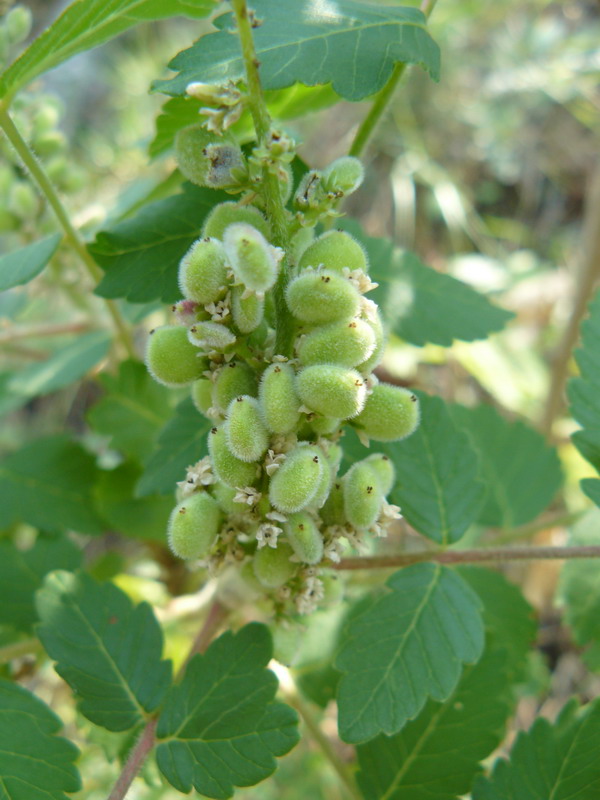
column 384, row 469
column 309, row 193
column 273, row 567
column 225, row 214
column 335, row 250
column 229, row 469
column 234, row 379
column 254, row 262
column 390, row 413
column 202, row 395
column 321, row 297
column 332, row 512
column 295, row 483
column 211, row 335
column 203, row 271
column 247, row 437
column 375, row 358
column 331, row 390
column 279, row 402
column 343, row 176
column 305, row 538
column 207, row 159
column 18, row 24
column 171, row 359
column 193, row 526
column 346, row 343
column 362, row 495
column 247, row 312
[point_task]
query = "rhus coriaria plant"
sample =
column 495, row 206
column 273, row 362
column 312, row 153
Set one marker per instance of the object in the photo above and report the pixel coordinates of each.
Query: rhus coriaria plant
column 256, row 434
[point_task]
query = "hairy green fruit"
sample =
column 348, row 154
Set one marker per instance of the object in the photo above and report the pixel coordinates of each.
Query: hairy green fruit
column 305, row 538
column 390, row 413
column 247, row 312
column 287, row 639
column 362, row 495
column 333, row 589
column 300, row 241
column 234, row 379
column 224, row 496
column 202, row 395
column 321, row 297
column 343, row 176
column 193, row 526
column 207, row 159
column 231, row 470
column 225, row 214
column 203, row 271
column 254, row 262
column 332, row 390
column 325, row 425
column 294, row 485
column 171, row 359
column 332, row 512
column 211, row 335
column 346, row 343
column 375, row 358
column 279, row 402
column 247, row 437
column 324, row 486
column 383, row 467
column 273, row 567
column 335, row 250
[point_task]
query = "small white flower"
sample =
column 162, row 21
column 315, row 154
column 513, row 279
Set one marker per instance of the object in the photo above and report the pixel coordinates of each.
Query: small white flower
column 275, row 516
column 247, row 495
column 273, row 461
column 369, row 309
column 308, row 600
column 267, row 534
column 280, row 359
column 359, row 280
column 218, row 311
column 333, row 550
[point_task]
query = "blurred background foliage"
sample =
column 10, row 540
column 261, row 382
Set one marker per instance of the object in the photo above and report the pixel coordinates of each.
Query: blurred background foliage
column 492, row 175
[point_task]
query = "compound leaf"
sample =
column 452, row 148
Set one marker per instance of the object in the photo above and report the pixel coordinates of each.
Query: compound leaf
column 220, row 726
column 23, row 265
column 106, row 649
column 35, row 763
column 410, row 644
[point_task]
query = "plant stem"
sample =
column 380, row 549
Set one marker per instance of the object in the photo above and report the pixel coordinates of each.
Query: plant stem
column 18, row 649
column 470, row 556
column 217, row 614
column 47, row 189
column 382, row 99
column 271, row 193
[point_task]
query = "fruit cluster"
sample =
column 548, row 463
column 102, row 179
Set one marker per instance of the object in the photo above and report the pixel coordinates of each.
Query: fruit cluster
column 269, row 496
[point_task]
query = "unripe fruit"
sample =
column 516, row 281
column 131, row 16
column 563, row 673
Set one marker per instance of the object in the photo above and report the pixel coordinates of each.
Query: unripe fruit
column 384, row 469
column 247, row 437
column 229, row 469
column 333, row 589
column 224, row 496
column 225, row 214
column 295, row 483
column 334, row 455
column 206, row 159
column 273, row 567
column 211, row 335
column 325, row 425
column 331, row 390
column 18, row 24
column 23, row 200
column 362, row 495
column 335, row 250
column 332, row 513
column 193, row 526
column 375, row 358
column 321, row 297
column 254, row 262
column 202, row 395
column 170, row 357
column 300, row 241
column 247, row 312
column 305, row 538
column 390, row 413
column 234, row 379
column 203, row 271
column 343, row 176
column 347, row 343
column 324, row 486
column 279, row 402
column 286, row 642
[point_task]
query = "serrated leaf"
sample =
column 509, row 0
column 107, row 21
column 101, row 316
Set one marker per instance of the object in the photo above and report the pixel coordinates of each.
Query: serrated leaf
column 21, row 266
column 141, row 255
column 438, row 754
column 181, row 443
column 352, row 45
column 35, row 763
column 85, row 24
column 22, row 573
column 65, row 365
column 409, row 645
column 220, row 726
column 106, row 649
column 132, row 411
column 521, row 471
column 557, row 761
column 48, row 483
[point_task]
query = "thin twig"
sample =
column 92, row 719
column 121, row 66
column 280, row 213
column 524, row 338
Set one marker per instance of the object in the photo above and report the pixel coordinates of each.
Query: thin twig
column 42, row 331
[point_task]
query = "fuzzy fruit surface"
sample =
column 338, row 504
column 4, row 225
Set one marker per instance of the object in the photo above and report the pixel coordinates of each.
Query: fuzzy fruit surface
column 247, row 437
column 206, row 159
column 231, row 470
column 332, row 390
column 304, row 537
column 391, row 413
column 252, row 259
column 193, row 526
column 335, row 250
column 347, row 343
column 171, row 358
column 321, row 297
column 362, row 495
column 225, row 214
column 272, row 567
column 296, row 482
column 279, row 401
column 202, row 272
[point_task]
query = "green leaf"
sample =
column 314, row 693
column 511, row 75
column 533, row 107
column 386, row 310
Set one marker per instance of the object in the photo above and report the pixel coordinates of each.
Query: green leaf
column 437, row 469
column 48, row 483
column 107, row 649
column 591, row 487
column 65, row 366
column 221, row 726
column 410, row 644
column 132, row 411
column 181, row 443
column 34, row 762
column 141, row 255
column 22, row 573
column 521, row 471
column 557, row 761
column 139, row 517
column 438, row 754
column 23, row 265
column 86, row 24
